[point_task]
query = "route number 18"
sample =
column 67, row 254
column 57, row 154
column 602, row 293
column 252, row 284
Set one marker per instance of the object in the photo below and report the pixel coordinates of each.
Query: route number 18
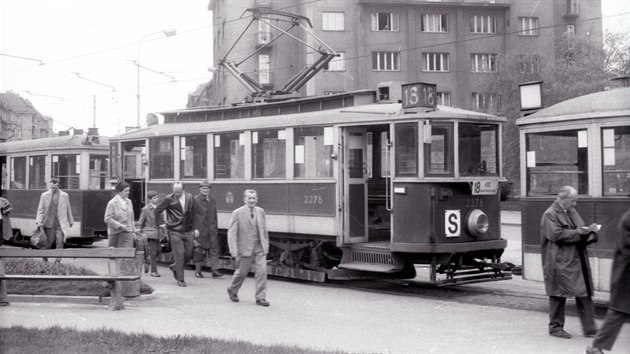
column 419, row 94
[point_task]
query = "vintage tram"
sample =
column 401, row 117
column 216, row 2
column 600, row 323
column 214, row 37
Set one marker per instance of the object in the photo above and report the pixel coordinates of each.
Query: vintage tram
column 583, row 142
column 353, row 186
column 79, row 161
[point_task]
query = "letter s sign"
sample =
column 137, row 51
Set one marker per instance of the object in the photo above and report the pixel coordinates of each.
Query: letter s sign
column 452, row 223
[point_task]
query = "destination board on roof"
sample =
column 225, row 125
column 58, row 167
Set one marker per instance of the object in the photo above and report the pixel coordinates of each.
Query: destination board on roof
column 419, row 94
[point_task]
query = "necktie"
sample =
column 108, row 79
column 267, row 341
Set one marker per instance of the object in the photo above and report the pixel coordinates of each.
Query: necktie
column 252, row 213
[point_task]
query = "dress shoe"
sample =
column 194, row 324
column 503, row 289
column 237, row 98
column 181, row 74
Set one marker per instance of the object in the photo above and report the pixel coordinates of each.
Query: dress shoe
column 232, row 295
column 198, row 275
column 172, row 268
column 182, row 284
column 262, row 302
column 155, row 274
column 593, row 350
column 560, row 334
column 216, row 274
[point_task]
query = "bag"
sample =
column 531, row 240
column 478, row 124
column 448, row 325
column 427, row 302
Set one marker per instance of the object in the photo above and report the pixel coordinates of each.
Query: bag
column 165, row 242
column 39, row 238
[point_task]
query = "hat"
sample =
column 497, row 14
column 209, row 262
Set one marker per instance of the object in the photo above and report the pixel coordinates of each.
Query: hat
column 151, row 194
column 54, row 180
column 205, row 183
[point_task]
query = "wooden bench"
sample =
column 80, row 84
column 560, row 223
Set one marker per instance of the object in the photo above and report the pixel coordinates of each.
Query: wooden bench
column 114, row 278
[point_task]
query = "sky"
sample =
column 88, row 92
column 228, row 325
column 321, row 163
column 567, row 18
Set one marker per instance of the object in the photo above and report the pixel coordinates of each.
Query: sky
column 100, row 41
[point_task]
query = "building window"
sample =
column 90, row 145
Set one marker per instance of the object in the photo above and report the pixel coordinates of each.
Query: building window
column 162, row 158
column 193, row 156
column 483, row 24
column 573, row 7
column 435, row 61
column 313, row 147
column 269, row 154
column 529, row 64
column 407, row 150
column 616, row 160
column 483, row 101
column 433, row 23
column 528, row 26
column 67, row 169
column 483, row 62
column 478, row 149
column 264, row 76
column 98, row 172
column 337, row 64
column 37, row 172
column 229, row 155
column 386, row 61
column 444, row 98
column 333, row 21
column 570, row 30
column 384, row 21
column 556, row 159
column 18, row 172
column 438, row 154
column 264, row 30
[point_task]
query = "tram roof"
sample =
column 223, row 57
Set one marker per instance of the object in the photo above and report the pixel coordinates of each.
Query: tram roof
column 612, row 103
column 368, row 114
column 54, row 143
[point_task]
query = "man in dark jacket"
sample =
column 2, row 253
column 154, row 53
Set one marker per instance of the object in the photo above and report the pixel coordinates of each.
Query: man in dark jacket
column 179, row 210
column 207, row 241
column 565, row 262
column 619, row 306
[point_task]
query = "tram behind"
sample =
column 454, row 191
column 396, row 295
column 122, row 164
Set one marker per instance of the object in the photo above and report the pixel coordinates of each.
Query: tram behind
column 352, row 187
column 80, row 162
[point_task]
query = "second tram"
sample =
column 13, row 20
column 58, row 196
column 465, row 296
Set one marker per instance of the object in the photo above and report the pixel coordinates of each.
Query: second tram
column 353, row 186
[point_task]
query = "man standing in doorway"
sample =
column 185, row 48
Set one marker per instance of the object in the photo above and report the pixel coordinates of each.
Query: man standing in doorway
column 206, row 243
column 249, row 242
column 54, row 214
column 179, row 210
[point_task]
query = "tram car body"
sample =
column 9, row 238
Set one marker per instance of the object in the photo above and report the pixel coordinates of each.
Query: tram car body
column 583, row 142
column 352, row 187
column 80, row 162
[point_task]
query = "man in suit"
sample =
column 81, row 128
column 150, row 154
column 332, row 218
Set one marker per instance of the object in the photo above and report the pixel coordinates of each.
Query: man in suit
column 249, row 242
column 179, row 210
column 206, row 243
column 54, row 214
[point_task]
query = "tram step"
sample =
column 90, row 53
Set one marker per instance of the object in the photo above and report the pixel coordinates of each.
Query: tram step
column 372, row 257
column 370, row 267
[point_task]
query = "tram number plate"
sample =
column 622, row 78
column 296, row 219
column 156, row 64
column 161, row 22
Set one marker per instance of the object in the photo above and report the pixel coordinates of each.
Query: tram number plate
column 482, row 187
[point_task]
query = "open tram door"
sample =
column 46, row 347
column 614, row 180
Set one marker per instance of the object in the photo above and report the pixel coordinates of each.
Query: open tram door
column 134, row 171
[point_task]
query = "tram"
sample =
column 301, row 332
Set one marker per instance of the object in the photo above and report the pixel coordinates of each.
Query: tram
column 354, row 185
column 583, row 142
column 80, row 162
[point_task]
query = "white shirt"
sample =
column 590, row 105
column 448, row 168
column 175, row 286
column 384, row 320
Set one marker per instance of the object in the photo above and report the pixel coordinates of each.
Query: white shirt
column 182, row 201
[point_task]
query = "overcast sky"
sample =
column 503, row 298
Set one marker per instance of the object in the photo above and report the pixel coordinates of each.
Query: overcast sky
column 99, row 40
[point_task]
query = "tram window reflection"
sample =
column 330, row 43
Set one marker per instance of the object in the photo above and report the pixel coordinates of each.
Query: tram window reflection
column 161, row 151
column 313, row 147
column 229, row 155
column 67, row 169
column 556, row 159
column 193, row 156
column 37, row 172
column 407, row 150
column 98, row 171
column 439, row 152
column 269, row 154
column 616, row 160
column 478, row 150
column 18, row 172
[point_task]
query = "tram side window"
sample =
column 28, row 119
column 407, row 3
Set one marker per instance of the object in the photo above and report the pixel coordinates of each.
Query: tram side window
column 438, row 154
column 161, row 156
column 229, row 155
column 18, row 172
column 37, row 172
column 313, row 147
column 556, row 159
column 193, row 156
column 269, row 154
column 407, row 150
column 67, row 169
column 98, row 171
column 115, row 159
column 616, row 160
column 478, row 150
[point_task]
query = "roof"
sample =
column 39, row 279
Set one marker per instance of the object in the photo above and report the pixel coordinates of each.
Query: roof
column 54, row 143
column 17, row 103
column 612, row 103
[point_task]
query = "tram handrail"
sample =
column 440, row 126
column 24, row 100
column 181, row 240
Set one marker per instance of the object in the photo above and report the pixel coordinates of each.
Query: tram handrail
column 388, row 180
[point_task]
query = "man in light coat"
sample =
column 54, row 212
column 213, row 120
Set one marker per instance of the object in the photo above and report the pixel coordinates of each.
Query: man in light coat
column 54, row 214
column 248, row 241
column 565, row 263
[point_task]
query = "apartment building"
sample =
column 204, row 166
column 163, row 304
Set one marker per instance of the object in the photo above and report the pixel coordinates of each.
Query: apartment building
column 20, row 120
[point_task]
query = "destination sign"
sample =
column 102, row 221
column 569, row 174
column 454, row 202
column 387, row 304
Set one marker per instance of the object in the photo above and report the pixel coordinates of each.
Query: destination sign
column 419, row 94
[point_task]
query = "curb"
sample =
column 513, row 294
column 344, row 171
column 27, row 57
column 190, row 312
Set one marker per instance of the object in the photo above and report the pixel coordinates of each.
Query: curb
column 92, row 300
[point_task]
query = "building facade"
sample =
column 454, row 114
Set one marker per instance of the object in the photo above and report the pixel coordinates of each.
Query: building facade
column 456, row 44
column 19, row 120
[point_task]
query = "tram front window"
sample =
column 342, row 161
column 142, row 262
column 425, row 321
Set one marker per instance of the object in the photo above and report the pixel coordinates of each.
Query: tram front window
column 616, row 160
column 407, row 149
column 67, row 169
column 478, row 150
column 438, row 154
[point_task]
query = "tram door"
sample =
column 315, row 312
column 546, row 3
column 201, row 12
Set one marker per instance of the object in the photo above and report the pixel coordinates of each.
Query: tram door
column 134, row 172
column 355, row 170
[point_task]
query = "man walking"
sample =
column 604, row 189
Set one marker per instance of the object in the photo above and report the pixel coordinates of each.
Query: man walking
column 565, row 262
column 179, row 209
column 206, row 243
column 249, row 243
column 54, row 214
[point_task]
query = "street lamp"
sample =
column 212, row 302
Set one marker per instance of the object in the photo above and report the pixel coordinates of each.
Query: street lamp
column 168, row 33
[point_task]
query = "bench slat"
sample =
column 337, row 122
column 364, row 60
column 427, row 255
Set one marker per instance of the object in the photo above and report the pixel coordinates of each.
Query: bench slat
column 11, row 252
column 70, row 277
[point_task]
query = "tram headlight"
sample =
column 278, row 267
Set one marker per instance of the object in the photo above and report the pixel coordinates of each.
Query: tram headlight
column 478, row 222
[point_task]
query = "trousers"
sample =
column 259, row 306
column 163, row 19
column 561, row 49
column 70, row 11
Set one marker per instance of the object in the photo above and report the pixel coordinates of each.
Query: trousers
column 182, row 246
column 607, row 334
column 585, row 309
column 243, row 266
